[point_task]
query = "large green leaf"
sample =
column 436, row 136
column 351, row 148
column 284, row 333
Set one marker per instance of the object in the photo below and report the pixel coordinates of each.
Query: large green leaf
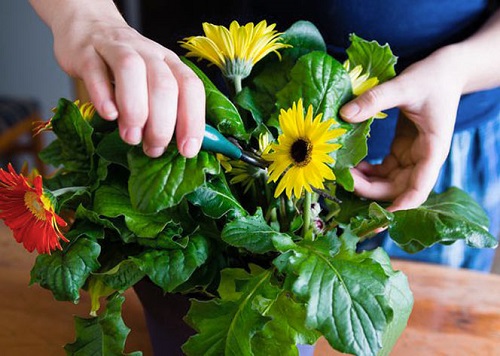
column 74, row 148
column 345, row 292
column 400, row 299
column 444, row 218
column 221, row 112
column 170, row 268
column 321, row 81
column 65, row 272
column 250, row 232
column 161, row 183
column 102, row 335
column 216, row 199
column 376, row 60
column 226, row 326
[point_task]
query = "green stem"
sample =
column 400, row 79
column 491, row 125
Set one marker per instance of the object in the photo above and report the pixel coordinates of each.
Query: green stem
column 307, row 215
column 237, row 84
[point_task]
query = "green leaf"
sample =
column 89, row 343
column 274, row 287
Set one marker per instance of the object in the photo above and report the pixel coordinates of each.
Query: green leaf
column 74, row 134
column 103, row 335
column 400, row 299
column 285, row 330
column 113, row 201
column 170, row 268
column 216, row 200
column 321, row 81
column 354, row 149
column 161, row 183
column 113, row 149
column 65, row 272
column 377, row 218
column 121, row 277
column 345, row 292
column 443, row 218
column 226, row 326
column 304, row 37
column 250, row 232
column 221, row 112
column 93, row 217
column 376, row 60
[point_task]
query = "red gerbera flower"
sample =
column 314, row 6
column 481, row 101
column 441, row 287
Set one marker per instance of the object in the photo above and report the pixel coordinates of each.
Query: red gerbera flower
column 28, row 212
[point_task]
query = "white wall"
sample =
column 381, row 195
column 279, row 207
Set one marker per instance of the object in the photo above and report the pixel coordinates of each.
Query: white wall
column 27, row 64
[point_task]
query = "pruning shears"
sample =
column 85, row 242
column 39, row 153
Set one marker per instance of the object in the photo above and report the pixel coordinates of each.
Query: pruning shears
column 214, row 141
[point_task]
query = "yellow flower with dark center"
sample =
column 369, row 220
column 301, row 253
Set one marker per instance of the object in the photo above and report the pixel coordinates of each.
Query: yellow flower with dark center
column 301, row 157
column 361, row 82
column 235, row 50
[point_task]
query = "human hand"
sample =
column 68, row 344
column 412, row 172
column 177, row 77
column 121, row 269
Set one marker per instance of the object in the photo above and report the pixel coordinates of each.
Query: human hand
column 427, row 94
column 133, row 79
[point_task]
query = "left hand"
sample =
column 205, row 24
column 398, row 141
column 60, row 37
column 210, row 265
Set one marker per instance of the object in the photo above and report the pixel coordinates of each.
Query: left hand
column 427, row 94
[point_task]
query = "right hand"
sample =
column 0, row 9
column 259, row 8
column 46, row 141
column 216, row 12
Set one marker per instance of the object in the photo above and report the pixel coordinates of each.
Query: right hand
column 153, row 94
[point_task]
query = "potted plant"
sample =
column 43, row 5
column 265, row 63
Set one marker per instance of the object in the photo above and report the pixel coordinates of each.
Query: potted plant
column 264, row 239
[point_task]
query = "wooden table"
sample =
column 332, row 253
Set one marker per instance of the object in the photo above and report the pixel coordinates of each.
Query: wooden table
column 456, row 312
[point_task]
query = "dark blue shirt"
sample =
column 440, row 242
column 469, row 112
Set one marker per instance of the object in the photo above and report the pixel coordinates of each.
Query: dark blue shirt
column 413, row 29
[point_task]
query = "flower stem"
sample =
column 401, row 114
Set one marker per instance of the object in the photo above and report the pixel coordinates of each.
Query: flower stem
column 62, row 191
column 307, row 215
column 237, row 84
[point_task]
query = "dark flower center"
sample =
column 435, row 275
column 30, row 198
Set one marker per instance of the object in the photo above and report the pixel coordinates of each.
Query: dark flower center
column 301, row 152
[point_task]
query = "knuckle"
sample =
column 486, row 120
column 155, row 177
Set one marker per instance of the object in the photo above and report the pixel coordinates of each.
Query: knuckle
column 128, row 61
column 192, row 81
column 164, row 82
column 372, row 96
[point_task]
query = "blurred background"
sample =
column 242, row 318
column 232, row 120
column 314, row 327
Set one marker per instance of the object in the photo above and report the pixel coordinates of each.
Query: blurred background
column 31, row 81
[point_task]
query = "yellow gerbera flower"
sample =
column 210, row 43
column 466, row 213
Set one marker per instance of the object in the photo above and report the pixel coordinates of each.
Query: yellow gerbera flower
column 235, row 50
column 301, row 155
column 361, row 83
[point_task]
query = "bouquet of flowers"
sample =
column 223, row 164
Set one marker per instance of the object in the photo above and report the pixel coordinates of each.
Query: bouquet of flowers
column 260, row 230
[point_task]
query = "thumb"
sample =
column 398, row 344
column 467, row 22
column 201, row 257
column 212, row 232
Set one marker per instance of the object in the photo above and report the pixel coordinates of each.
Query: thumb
column 381, row 97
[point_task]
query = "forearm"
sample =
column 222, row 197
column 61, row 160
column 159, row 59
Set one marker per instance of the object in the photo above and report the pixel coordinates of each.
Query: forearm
column 478, row 57
column 56, row 13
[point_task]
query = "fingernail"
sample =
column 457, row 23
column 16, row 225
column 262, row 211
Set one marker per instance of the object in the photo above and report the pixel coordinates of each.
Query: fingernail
column 154, row 151
column 191, row 147
column 133, row 135
column 109, row 110
column 349, row 110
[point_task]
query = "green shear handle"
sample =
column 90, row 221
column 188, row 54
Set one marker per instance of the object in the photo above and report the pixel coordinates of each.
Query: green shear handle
column 214, row 141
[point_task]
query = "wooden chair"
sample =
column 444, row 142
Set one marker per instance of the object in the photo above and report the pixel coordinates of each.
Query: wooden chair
column 16, row 123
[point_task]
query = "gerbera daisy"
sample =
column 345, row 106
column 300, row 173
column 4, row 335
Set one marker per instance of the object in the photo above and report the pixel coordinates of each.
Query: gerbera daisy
column 302, row 154
column 235, row 50
column 28, row 211
column 361, row 83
